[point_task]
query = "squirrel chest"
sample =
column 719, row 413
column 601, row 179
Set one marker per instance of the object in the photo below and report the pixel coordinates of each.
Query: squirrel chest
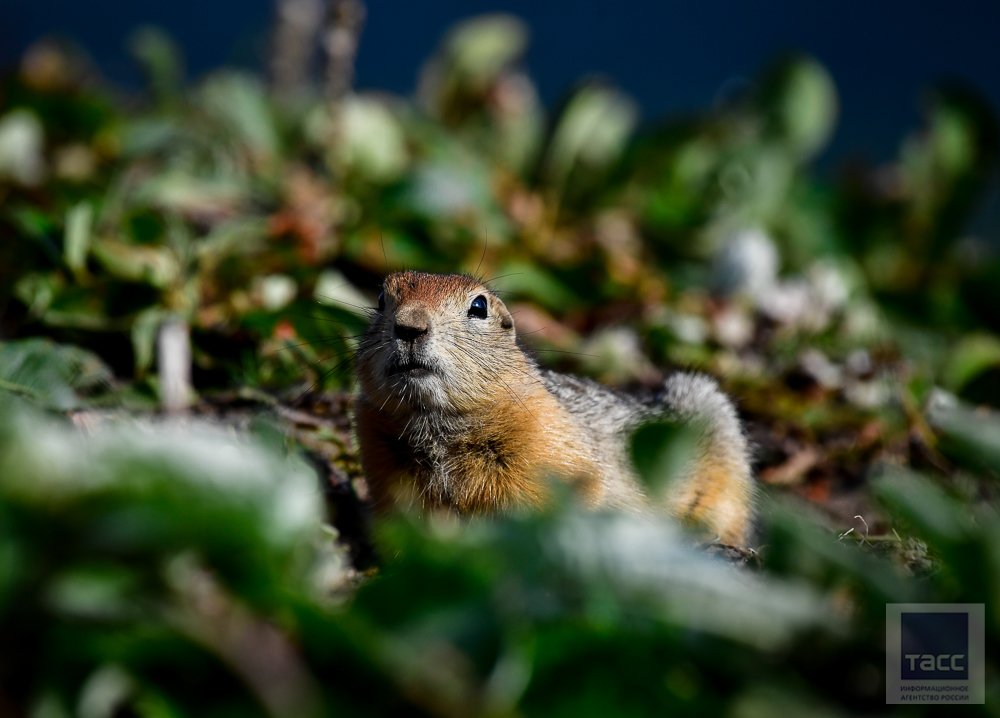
column 489, row 460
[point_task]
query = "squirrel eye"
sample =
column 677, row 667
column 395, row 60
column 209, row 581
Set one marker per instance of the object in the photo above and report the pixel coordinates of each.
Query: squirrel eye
column 381, row 302
column 478, row 308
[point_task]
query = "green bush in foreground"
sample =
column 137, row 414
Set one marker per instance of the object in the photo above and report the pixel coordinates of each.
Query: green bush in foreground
column 163, row 568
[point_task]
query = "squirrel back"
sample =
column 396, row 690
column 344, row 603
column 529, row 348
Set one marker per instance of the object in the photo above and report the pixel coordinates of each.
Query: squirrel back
column 452, row 413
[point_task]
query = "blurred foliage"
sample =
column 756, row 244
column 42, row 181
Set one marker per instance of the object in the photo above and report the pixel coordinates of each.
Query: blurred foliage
column 171, row 567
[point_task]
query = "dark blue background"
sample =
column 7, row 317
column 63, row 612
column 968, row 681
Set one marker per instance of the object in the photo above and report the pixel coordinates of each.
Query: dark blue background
column 670, row 56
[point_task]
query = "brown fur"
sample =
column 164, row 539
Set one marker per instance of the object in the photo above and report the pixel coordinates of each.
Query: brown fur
column 468, row 424
column 499, row 464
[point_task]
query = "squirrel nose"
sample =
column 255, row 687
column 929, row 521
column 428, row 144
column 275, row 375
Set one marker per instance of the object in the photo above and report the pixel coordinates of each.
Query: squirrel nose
column 409, row 333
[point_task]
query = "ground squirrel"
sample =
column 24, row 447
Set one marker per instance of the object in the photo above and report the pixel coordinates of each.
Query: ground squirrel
column 451, row 412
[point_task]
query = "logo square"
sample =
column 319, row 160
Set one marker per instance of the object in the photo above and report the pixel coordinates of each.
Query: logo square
column 935, row 653
column 935, row 646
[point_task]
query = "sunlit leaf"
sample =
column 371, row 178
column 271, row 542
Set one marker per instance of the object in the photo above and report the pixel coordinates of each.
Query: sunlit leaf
column 79, row 225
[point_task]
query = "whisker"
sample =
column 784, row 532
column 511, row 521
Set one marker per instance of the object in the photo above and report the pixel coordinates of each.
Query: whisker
column 340, row 365
column 381, row 238
column 502, row 276
column 324, row 319
column 307, row 344
column 485, row 245
column 341, row 301
column 560, row 351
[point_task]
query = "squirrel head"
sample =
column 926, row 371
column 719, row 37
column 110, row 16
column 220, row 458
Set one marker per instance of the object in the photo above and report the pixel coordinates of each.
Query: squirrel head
column 438, row 341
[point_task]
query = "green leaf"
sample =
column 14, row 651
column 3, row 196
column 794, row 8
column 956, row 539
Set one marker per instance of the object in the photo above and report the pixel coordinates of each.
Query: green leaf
column 144, row 331
column 537, row 283
column 79, row 224
column 591, row 132
column 973, row 355
column 477, row 49
column 972, row 435
column 156, row 266
column 238, row 101
column 160, row 59
column 22, row 144
column 371, row 141
column 801, row 101
column 49, row 374
column 924, row 504
column 661, row 452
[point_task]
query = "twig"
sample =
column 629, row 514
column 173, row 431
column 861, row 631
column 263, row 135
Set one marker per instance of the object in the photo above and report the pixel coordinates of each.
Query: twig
column 341, row 35
column 174, row 360
column 866, row 526
column 296, row 28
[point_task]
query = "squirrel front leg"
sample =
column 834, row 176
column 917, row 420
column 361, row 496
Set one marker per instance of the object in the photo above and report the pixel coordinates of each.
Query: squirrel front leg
column 385, row 460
